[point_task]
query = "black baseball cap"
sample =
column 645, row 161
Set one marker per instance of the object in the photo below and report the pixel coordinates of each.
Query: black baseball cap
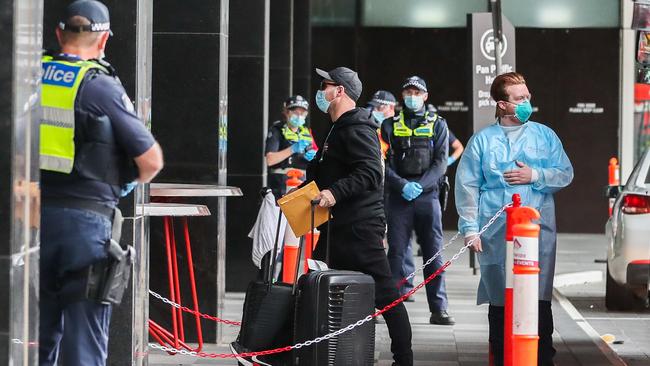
column 346, row 78
column 382, row 97
column 416, row 82
column 296, row 101
column 93, row 10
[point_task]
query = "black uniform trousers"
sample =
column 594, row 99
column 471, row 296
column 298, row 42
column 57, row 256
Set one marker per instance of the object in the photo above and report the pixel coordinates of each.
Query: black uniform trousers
column 358, row 246
column 545, row 350
column 425, row 217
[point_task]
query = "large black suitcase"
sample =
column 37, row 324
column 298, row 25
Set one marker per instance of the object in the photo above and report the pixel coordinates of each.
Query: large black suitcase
column 327, row 301
column 267, row 317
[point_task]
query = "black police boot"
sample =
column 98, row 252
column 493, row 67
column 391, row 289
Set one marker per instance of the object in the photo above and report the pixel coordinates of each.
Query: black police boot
column 441, row 317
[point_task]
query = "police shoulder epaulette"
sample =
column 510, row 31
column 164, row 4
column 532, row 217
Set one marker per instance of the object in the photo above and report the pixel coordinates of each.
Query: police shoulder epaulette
column 432, row 117
column 107, row 66
column 396, row 117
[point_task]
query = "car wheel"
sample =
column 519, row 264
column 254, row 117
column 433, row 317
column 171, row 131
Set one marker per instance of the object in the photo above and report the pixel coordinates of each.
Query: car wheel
column 623, row 298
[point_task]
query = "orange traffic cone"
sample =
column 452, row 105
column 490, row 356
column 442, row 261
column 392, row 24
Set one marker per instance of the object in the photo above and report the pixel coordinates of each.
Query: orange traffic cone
column 613, row 179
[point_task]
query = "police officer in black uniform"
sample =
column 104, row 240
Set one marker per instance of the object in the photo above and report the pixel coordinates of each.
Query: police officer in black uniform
column 415, row 166
column 288, row 144
column 93, row 150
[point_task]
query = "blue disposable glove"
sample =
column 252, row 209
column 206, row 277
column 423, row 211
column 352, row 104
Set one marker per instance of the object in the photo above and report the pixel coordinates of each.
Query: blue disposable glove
column 128, row 188
column 300, row 146
column 411, row 191
column 309, row 155
column 450, row 160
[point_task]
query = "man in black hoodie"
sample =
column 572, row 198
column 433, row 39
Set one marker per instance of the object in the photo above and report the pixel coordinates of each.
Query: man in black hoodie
column 348, row 170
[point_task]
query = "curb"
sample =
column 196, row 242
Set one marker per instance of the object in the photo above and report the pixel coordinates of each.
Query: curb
column 577, row 278
column 607, row 351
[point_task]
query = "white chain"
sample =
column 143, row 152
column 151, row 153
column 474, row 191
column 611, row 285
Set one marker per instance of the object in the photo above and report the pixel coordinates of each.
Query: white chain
column 453, row 238
column 353, row 325
column 173, row 350
column 164, row 299
column 483, row 229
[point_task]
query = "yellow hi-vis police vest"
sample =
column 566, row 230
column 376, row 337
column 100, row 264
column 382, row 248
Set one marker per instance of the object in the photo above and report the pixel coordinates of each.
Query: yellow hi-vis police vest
column 61, row 81
column 427, row 130
column 302, row 134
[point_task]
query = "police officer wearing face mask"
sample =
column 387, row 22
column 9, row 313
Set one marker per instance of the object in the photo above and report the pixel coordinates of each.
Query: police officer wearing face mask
column 415, row 166
column 382, row 106
column 288, row 144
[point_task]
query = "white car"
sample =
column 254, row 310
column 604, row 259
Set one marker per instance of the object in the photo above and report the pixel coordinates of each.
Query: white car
column 628, row 233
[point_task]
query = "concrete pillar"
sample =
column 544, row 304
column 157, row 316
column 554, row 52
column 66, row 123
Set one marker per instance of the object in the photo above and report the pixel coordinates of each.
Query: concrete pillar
column 130, row 52
column 302, row 65
column 189, row 91
column 280, row 56
column 248, row 92
column 20, row 53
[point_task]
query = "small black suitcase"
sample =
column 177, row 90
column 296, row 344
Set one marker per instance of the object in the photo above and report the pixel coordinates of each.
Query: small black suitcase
column 327, row 301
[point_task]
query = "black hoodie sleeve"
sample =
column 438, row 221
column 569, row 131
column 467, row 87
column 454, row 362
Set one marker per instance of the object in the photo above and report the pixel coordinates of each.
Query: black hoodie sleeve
column 364, row 162
column 431, row 178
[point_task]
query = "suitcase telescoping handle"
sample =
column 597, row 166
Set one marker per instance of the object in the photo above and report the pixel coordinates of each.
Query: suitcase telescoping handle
column 274, row 254
column 314, row 203
column 302, row 243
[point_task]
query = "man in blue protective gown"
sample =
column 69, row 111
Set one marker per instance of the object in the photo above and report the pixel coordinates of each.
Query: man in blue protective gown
column 514, row 155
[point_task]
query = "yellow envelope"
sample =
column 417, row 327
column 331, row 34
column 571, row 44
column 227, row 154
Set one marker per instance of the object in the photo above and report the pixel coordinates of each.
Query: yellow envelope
column 296, row 207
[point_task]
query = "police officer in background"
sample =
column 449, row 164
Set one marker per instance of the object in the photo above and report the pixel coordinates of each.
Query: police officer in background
column 93, row 150
column 415, row 166
column 288, row 144
column 455, row 151
column 382, row 106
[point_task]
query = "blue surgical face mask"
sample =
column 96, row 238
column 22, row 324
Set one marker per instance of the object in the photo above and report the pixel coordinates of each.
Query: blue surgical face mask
column 379, row 116
column 523, row 111
column 321, row 101
column 414, row 102
column 296, row 120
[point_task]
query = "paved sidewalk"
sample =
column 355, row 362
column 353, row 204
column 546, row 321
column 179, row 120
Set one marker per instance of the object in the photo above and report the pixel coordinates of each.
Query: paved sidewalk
column 464, row 344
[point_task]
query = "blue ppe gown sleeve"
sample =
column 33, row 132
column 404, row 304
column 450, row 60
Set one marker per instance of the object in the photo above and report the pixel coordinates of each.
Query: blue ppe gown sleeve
column 559, row 173
column 432, row 177
column 394, row 182
column 469, row 179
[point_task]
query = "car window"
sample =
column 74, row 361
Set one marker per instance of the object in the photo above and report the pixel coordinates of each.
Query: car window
column 641, row 174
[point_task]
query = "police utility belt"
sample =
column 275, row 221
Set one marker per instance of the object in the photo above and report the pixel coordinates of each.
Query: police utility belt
column 104, row 281
column 107, row 280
